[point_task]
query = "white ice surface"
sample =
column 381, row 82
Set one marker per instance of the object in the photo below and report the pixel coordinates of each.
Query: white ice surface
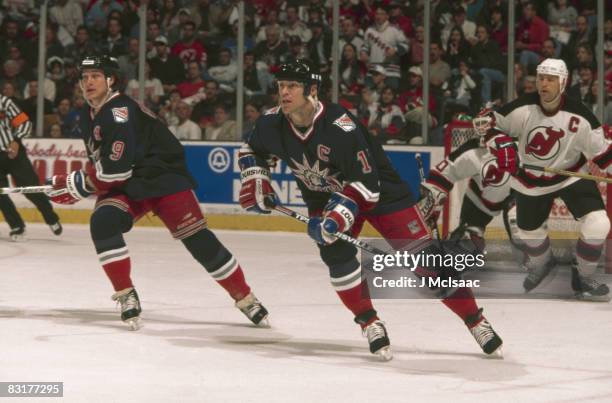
column 57, row 323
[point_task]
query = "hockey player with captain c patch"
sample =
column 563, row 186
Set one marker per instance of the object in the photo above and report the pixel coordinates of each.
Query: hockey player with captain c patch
column 345, row 179
column 550, row 129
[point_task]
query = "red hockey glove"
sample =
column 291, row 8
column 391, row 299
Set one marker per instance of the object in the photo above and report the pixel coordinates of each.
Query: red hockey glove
column 506, row 153
column 68, row 189
column 256, row 193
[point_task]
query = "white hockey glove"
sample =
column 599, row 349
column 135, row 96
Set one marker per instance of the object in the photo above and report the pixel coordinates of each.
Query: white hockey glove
column 431, row 202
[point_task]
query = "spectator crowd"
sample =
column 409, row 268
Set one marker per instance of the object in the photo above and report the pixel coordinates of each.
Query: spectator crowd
column 191, row 62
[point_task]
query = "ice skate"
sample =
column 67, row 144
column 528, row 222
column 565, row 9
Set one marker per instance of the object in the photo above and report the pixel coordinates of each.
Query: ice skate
column 130, row 307
column 587, row 289
column 17, row 234
column 537, row 274
column 252, row 308
column 56, row 228
column 378, row 340
column 484, row 334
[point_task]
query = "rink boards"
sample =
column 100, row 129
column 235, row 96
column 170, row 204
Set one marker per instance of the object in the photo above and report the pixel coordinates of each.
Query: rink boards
column 215, row 167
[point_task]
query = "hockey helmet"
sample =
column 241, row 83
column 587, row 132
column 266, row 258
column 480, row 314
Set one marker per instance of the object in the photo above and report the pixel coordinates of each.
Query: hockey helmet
column 106, row 63
column 554, row 67
column 301, row 71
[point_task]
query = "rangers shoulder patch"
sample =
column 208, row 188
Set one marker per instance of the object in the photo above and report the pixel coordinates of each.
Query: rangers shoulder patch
column 345, row 123
column 120, row 114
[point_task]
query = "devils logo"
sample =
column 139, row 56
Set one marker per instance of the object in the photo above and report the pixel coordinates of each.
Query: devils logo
column 491, row 174
column 544, row 142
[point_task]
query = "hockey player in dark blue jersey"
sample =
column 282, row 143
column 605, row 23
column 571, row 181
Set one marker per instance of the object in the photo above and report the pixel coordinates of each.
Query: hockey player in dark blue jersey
column 345, row 179
column 138, row 166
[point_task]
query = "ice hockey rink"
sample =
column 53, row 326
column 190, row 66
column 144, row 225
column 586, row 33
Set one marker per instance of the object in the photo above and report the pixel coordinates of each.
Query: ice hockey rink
column 58, row 324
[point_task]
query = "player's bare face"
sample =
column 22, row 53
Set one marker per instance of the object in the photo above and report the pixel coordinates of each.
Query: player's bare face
column 548, row 87
column 291, row 96
column 95, row 88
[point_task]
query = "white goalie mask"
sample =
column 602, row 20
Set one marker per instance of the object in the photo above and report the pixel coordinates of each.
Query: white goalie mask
column 484, row 121
column 554, row 67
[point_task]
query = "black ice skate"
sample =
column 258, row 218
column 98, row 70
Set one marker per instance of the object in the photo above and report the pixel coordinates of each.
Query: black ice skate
column 484, row 334
column 537, row 274
column 378, row 339
column 130, row 307
column 56, row 228
column 17, row 234
column 587, row 289
column 254, row 310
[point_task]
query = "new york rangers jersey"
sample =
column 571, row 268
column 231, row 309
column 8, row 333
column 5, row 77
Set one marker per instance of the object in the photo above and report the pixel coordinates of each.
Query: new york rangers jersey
column 335, row 154
column 564, row 140
column 133, row 151
column 488, row 186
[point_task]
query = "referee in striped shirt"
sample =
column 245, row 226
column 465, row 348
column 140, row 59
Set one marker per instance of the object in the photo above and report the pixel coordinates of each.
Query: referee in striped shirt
column 15, row 125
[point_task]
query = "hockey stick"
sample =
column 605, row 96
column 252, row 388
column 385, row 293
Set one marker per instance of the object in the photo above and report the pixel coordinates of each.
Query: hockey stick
column 432, row 225
column 567, row 173
column 26, row 189
column 346, row 238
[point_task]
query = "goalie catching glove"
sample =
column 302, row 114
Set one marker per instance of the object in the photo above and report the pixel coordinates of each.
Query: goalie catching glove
column 69, row 189
column 256, row 193
column 338, row 216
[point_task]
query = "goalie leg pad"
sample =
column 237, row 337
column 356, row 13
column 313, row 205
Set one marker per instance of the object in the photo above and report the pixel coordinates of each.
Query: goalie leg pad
column 469, row 238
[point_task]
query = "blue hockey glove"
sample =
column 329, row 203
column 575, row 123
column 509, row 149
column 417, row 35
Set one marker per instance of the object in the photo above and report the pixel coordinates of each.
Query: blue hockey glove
column 338, row 216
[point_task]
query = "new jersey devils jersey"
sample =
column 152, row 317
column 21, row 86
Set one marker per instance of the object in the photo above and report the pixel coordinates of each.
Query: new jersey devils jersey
column 562, row 140
column 334, row 153
column 133, row 151
column 488, row 187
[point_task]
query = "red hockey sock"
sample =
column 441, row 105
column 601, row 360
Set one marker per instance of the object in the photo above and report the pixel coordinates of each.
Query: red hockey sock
column 462, row 302
column 357, row 299
column 118, row 273
column 235, row 284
